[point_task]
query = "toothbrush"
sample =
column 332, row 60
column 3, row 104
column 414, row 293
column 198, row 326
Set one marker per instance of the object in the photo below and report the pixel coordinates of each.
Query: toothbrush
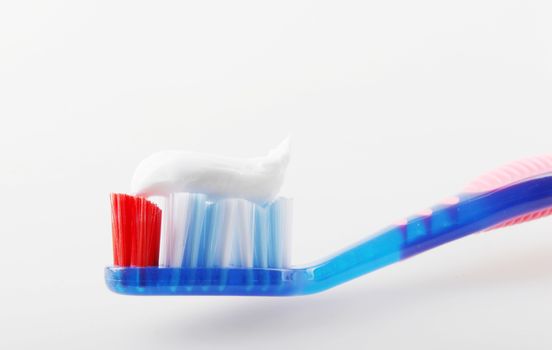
column 212, row 244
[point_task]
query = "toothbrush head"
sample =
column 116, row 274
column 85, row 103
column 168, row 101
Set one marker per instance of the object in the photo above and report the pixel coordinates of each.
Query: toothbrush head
column 187, row 243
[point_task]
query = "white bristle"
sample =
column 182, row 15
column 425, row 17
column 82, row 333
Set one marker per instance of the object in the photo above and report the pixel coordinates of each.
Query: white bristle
column 285, row 212
column 280, row 213
column 261, row 238
column 222, row 236
column 180, row 203
column 197, row 232
column 245, row 226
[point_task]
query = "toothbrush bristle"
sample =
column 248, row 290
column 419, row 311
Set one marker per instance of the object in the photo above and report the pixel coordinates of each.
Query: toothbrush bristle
column 136, row 228
column 189, row 230
column 202, row 232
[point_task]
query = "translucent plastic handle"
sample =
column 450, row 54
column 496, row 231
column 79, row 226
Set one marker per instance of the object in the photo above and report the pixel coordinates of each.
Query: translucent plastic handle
column 510, row 203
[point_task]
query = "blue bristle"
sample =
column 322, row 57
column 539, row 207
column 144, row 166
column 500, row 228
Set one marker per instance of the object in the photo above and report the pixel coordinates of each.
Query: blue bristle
column 192, row 248
column 205, row 236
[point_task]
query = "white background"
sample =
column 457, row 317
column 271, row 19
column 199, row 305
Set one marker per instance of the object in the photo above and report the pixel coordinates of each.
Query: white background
column 391, row 105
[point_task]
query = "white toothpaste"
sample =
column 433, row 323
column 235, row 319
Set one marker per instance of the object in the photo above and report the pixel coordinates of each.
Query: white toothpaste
column 256, row 179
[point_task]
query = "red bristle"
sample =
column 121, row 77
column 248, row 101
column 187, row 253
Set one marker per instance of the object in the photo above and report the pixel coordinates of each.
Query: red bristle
column 151, row 224
column 114, row 228
column 136, row 225
column 156, row 240
column 126, row 225
column 156, row 226
column 129, row 228
column 137, row 243
column 153, row 252
column 147, row 238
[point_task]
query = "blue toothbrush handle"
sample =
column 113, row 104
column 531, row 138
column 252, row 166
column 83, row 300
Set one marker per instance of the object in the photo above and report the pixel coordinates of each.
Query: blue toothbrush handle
column 443, row 223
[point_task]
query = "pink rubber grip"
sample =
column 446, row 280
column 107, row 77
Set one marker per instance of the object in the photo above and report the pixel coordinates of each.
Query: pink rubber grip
column 512, row 173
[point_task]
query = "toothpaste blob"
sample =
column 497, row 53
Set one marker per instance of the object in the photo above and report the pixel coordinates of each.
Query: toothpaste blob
column 256, row 179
